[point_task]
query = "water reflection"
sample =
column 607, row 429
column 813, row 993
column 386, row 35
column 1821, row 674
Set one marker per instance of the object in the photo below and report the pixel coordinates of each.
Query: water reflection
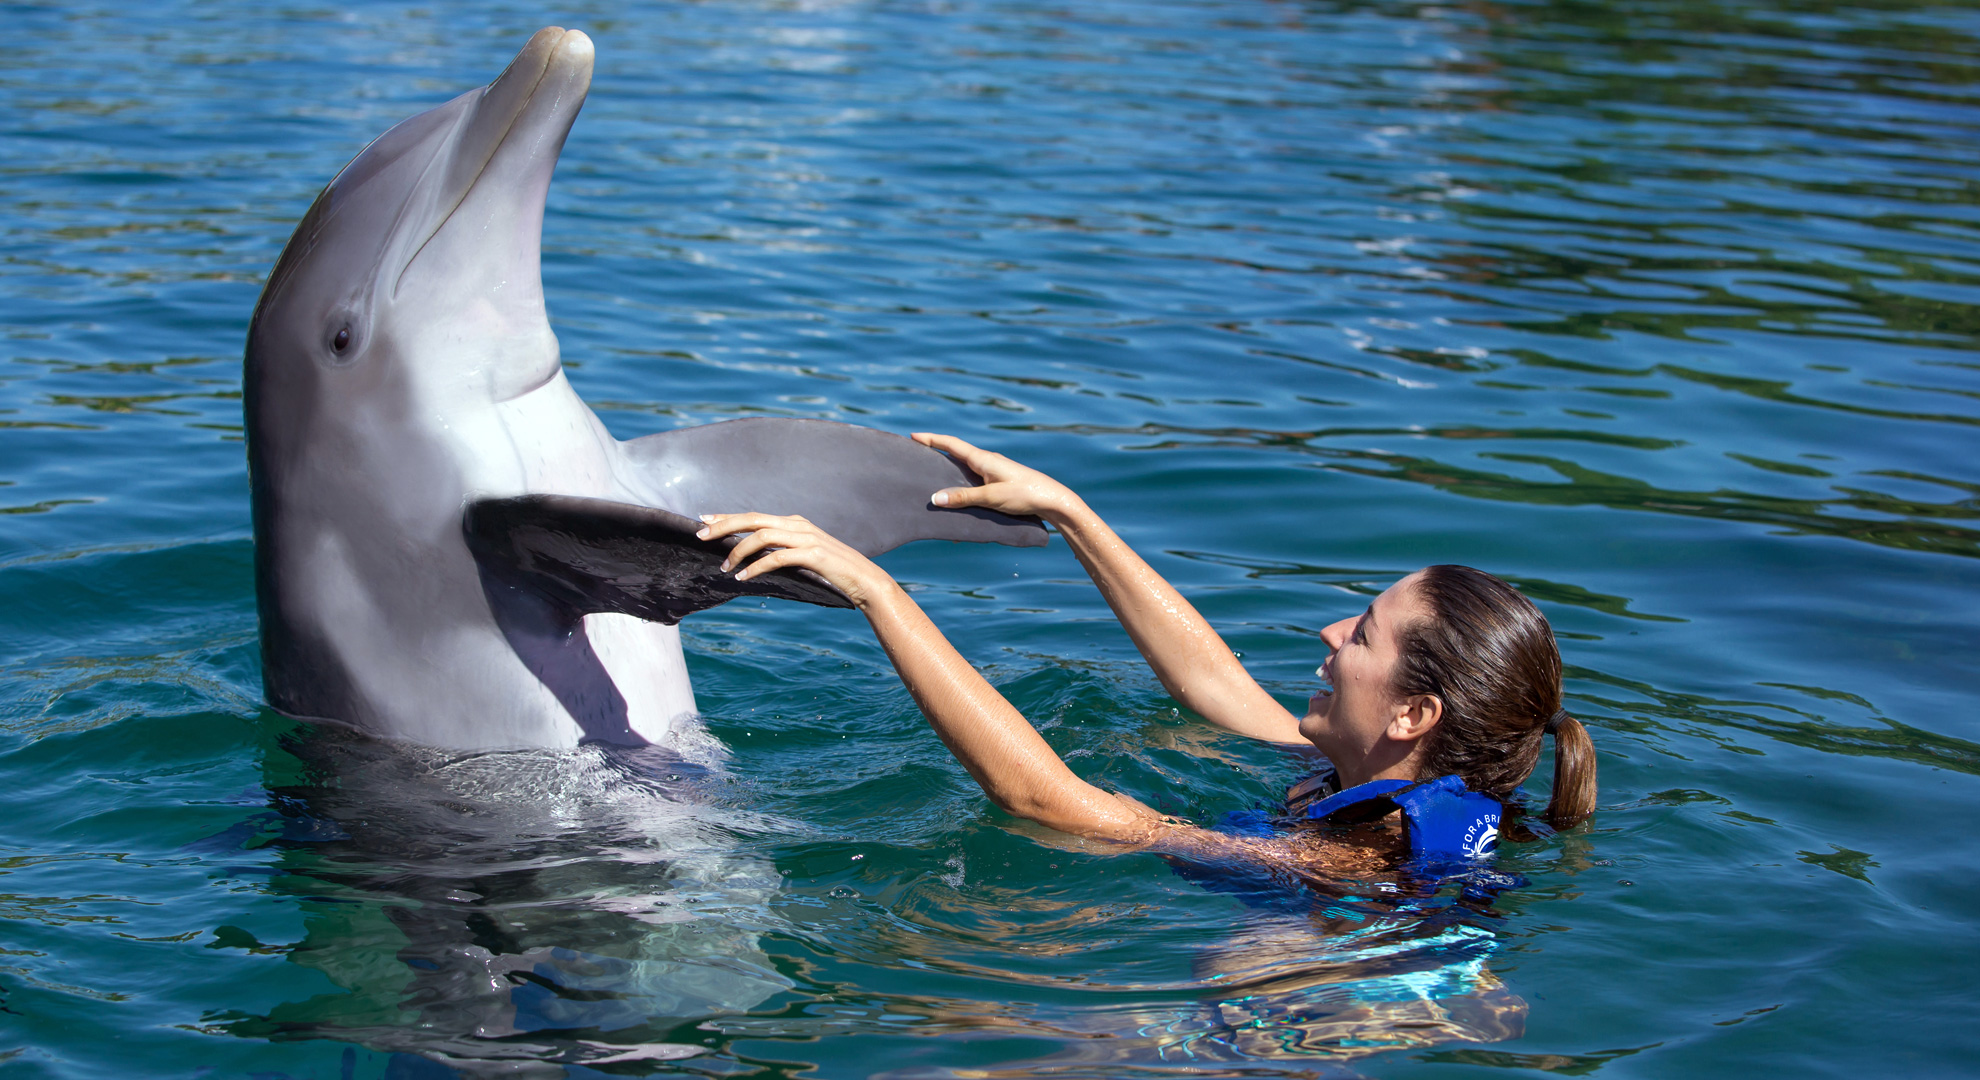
column 1702, row 271
column 1370, row 582
column 522, row 913
column 1654, row 711
column 1335, row 983
column 489, row 911
column 1298, row 988
column 1919, row 525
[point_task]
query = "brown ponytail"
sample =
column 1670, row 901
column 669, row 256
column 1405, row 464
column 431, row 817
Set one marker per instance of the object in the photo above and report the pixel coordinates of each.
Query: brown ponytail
column 1574, row 774
column 1488, row 654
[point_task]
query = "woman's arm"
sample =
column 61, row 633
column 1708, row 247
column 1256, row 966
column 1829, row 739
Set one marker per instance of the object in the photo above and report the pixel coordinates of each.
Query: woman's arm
column 1193, row 662
column 1006, row 755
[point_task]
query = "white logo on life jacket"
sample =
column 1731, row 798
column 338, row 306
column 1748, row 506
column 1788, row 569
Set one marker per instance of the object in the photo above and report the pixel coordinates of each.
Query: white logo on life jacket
column 1480, row 838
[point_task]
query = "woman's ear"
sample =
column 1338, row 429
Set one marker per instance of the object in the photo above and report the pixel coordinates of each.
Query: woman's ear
column 1415, row 717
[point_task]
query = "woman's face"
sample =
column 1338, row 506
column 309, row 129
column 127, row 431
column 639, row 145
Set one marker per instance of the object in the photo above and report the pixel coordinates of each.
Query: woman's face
column 1350, row 724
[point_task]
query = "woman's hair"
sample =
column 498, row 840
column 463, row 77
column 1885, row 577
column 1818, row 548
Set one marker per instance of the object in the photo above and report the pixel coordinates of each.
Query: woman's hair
column 1488, row 654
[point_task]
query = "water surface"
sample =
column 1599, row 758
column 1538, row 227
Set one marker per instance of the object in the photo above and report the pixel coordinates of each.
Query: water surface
column 1665, row 312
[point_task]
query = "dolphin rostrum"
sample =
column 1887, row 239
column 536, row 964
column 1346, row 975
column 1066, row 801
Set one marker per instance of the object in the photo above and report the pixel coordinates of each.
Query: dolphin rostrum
column 449, row 546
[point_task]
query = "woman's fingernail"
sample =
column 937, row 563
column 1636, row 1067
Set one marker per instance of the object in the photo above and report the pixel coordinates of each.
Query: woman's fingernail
column 940, row 498
column 725, row 564
column 703, row 534
column 706, row 517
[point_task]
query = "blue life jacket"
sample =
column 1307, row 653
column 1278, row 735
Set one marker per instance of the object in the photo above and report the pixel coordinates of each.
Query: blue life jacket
column 1450, row 831
column 1443, row 820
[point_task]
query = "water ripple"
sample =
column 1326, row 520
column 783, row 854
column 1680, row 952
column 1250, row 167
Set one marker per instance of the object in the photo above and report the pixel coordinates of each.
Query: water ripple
column 1664, row 311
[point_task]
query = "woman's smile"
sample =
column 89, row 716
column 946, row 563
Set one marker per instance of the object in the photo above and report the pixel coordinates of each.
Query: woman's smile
column 1323, row 696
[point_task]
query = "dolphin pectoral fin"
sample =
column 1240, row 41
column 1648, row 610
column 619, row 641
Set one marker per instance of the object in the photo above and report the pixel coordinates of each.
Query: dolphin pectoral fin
column 584, row 556
column 866, row 487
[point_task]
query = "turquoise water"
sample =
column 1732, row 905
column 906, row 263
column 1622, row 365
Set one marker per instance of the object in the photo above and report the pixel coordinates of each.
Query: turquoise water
column 1664, row 311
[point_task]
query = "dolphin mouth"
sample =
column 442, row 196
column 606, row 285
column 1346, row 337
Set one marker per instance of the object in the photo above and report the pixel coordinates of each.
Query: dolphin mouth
column 538, row 94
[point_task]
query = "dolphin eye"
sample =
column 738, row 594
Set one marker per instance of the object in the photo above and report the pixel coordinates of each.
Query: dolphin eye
column 342, row 341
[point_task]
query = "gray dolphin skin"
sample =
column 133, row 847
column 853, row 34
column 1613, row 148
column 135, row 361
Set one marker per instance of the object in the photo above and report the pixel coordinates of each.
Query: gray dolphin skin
column 449, row 546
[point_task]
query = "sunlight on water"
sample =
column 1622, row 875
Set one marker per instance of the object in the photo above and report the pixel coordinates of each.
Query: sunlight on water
column 1664, row 312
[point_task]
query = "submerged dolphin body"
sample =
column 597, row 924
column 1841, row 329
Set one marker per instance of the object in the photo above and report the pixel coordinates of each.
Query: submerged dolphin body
column 449, row 546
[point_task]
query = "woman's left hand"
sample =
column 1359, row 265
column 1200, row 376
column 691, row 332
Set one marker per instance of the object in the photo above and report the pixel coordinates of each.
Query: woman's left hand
column 794, row 541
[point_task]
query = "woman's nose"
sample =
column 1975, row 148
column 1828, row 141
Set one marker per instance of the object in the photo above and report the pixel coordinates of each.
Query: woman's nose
column 1336, row 634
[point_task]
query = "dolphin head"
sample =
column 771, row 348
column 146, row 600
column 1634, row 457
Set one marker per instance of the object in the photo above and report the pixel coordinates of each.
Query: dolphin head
column 405, row 307
column 413, row 283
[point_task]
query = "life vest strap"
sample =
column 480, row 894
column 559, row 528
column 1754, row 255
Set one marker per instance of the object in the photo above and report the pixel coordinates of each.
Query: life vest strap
column 1441, row 817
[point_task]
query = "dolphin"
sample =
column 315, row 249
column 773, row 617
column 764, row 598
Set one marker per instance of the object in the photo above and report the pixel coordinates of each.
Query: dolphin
column 449, row 546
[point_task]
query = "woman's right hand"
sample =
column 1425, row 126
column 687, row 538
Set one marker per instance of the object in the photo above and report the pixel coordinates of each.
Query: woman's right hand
column 1007, row 486
column 777, row 542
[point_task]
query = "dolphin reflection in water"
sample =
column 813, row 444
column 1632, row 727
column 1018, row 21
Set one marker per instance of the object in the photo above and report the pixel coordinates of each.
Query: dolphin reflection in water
column 511, row 913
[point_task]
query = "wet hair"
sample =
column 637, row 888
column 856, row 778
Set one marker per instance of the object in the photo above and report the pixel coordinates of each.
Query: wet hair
column 1488, row 654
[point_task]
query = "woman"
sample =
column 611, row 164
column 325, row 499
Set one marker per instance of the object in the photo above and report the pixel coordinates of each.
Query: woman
column 1450, row 673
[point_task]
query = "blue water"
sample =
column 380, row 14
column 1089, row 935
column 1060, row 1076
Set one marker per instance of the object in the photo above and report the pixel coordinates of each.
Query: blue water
column 1665, row 312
